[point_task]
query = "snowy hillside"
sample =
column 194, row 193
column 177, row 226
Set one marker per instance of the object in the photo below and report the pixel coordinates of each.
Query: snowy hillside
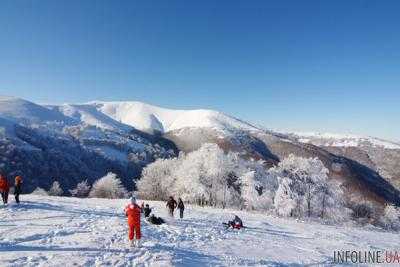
column 23, row 111
column 51, row 231
column 71, row 143
column 146, row 117
column 91, row 116
column 343, row 140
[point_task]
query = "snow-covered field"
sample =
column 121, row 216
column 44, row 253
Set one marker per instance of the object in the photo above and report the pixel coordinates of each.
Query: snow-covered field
column 57, row 231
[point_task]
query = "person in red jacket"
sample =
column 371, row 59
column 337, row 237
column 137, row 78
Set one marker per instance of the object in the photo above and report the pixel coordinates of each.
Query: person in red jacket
column 132, row 211
column 4, row 188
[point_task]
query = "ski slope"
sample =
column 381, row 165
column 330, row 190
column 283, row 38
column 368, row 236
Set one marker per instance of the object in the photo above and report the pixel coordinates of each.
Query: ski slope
column 56, row 231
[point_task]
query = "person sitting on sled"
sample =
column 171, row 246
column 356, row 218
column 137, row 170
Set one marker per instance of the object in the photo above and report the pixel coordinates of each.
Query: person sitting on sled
column 147, row 211
column 155, row 220
column 236, row 223
column 132, row 211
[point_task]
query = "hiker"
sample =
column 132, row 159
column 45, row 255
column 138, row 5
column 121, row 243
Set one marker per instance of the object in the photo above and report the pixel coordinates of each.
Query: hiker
column 155, row 220
column 132, row 211
column 171, row 205
column 236, row 223
column 181, row 208
column 147, row 211
column 17, row 188
column 4, row 188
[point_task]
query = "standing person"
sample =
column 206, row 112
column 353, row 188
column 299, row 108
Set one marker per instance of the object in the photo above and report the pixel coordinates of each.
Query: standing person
column 181, row 208
column 171, row 205
column 17, row 188
column 4, row 188
column 132, row 211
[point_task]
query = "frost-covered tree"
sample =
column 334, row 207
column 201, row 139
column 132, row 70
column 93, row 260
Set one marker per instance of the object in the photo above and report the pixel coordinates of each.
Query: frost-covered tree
column 305, row 190
column 82, row 189
column 285, row 199
column 40, row 192
column 209, row 176
column 255, row 194
column 55, row 189
column 296, row 187
column 329, row 202
column 391, row 218
column 157, row 179
column 109, row 186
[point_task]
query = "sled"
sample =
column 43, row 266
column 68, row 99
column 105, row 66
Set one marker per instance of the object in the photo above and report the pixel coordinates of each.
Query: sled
column 227, row 225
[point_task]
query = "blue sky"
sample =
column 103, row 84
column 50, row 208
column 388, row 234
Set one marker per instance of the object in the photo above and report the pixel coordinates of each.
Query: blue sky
column 329, row 66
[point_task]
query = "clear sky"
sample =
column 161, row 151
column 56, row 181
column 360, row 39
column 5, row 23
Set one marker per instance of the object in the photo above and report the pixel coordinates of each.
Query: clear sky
column 329, row 66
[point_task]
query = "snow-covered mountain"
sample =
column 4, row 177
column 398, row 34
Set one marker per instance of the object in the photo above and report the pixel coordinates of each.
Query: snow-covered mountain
column 45, row 143
column 150, row 118
column 343, row 140
column 380, row 155
column 126, row 136
column 22, row 111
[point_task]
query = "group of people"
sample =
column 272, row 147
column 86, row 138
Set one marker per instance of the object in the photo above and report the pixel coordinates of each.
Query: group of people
column 133, row 213
column 172, row 205
column 5, row 188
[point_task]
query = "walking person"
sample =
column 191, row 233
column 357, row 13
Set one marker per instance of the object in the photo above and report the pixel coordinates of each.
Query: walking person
column 4, row 189
column 132, row 211
column 181, row 208
column 171, row 205
column 17, row 188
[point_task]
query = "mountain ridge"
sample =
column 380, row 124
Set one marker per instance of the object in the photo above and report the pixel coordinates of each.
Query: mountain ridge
column 136, row 133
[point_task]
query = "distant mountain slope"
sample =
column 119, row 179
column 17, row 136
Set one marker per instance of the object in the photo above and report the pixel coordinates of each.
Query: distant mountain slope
column 22, row 111
column 146, row 117
column 343, row 140
column 380, row 155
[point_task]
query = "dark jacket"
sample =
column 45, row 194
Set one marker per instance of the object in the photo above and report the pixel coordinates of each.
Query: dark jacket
column 18, row 185
column 147, row 212
column 181, row 206
column 155, row 220
column 171, row 204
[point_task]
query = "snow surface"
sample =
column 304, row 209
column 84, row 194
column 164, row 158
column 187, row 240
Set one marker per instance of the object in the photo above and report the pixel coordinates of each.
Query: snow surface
column 58, row 231
column 343, row 140
column 147, row 117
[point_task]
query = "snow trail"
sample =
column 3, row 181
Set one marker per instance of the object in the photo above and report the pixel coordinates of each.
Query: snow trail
column 57, row 231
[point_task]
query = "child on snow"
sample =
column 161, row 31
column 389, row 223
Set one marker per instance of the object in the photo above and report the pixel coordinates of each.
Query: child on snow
column 132, row 211
column 147, row 211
